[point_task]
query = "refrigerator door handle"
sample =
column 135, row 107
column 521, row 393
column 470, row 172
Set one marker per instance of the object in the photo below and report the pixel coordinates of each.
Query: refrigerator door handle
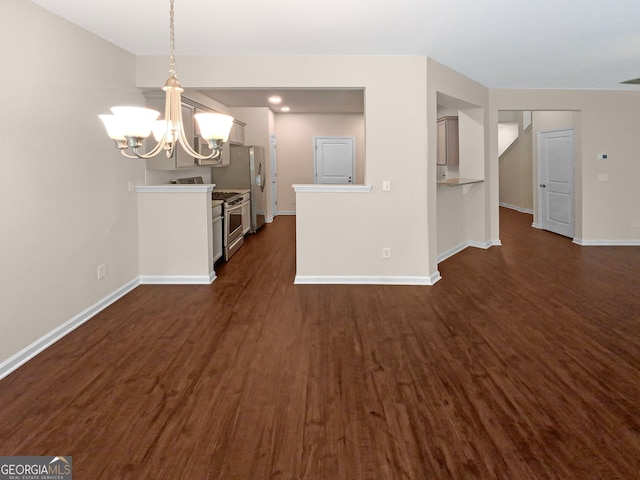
column 259, row 181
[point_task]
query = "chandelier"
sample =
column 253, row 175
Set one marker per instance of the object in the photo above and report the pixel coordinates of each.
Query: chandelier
column 129, row 126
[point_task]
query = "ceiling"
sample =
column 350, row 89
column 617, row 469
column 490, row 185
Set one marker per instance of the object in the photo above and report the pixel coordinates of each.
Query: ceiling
column 590, row 44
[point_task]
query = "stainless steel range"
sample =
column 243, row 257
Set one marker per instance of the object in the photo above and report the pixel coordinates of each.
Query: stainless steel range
column 232, row 226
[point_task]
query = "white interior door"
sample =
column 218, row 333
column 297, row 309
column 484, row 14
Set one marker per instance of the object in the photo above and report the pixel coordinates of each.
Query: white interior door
column 556, row 178
column 334, row 159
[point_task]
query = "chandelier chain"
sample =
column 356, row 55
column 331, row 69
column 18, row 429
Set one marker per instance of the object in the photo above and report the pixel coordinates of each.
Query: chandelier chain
column 130, row 126
column 172, row 43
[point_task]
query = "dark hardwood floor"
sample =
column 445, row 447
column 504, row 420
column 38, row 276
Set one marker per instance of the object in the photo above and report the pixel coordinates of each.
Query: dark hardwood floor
column 523, row 362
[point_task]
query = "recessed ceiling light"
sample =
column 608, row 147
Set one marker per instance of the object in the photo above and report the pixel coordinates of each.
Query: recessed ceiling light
column 275, row 99
column 284, row 109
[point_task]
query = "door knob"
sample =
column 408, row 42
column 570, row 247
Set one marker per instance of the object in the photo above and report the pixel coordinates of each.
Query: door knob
column 543, row 185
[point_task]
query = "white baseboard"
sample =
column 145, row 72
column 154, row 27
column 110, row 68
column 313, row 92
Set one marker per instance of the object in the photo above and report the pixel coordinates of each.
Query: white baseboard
column 286, row 212
column 27, row 353
column 178, row 279
column 485, row 245
column 365, row 280
column 599, row 243
column 457, row 249
column 451, row 252
column 607, row 243
column 516, row 208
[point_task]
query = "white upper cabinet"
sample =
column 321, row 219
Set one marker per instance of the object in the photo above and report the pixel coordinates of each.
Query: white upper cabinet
column 236, row 135
column 180, row 158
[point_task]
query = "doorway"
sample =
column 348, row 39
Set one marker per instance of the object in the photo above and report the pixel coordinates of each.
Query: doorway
column 334, row 160
column 520, row 164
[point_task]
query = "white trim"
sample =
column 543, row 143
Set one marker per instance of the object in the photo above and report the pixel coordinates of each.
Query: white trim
column 273, row 173
column 27, row 353
column 606, row 243
column 517, row 209
column 600, row 243
column 485, row 245
column 330, row 188
column 286, row 212
column 435, row 277
column 175, row 188
column 365, row 280
column 451, row 252
column 178, row 279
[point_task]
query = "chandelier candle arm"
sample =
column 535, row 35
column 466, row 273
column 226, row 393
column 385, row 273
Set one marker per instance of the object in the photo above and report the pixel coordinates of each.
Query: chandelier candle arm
column 129, row 126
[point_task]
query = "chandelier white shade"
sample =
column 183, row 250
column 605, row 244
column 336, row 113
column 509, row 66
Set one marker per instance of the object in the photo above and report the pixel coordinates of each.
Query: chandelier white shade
column 129, row 122
column 128, row 127
column 214, row 127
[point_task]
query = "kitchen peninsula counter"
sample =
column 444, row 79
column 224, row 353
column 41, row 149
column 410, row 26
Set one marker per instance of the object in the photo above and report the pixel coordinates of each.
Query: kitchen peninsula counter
column 175, row 234
column 452, row 182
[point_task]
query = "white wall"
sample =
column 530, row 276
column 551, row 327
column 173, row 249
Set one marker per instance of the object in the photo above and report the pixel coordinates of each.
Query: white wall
column 607, row 123
column 173, row 230
column 507, row 135
column 295, row 134
column 64, row 202
column 395, row 123
column 462, row 215
column 516, row 169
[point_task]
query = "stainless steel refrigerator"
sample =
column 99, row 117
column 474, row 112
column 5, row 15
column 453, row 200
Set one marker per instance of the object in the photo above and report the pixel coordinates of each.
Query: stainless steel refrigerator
column 247, row 171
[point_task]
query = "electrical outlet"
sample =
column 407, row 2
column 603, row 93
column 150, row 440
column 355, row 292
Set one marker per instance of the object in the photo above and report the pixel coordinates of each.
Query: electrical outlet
column 131, row 185
column 386, row 252
column 386, row 186
column 102, row 271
